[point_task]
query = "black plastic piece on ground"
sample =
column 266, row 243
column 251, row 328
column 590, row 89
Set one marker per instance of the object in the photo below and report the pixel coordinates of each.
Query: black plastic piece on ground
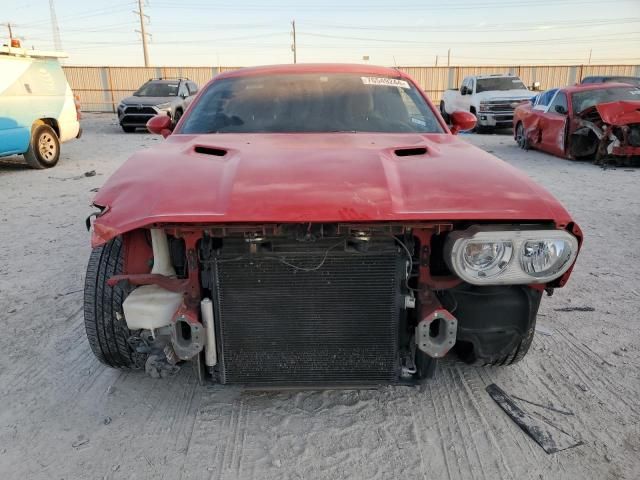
column 548, row 436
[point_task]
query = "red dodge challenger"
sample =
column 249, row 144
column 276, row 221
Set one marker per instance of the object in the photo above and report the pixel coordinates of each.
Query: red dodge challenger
column 319, row 225
column 597, row 122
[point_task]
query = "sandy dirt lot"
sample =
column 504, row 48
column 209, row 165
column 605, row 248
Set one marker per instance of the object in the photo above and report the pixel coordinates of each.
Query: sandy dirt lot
column 65, row 416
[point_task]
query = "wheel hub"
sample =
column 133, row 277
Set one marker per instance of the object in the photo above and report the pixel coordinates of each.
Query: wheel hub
column 47, row 146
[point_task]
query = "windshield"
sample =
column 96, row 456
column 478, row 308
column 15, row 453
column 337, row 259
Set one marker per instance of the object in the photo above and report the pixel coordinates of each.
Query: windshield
column 157, row 89
column 310, row 103
column 499, row 83
column 629, row 80
column 584, row 100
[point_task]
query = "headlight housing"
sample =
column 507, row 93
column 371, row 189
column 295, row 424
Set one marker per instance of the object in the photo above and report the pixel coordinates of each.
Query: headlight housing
column 505, row 256
column 164, row 106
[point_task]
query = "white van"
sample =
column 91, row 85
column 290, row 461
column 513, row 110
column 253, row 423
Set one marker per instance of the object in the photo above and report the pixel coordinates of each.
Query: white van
column 38, row 111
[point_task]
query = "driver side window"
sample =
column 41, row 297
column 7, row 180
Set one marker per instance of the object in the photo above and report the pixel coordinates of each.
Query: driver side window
column 559, row 101
column 465, row 85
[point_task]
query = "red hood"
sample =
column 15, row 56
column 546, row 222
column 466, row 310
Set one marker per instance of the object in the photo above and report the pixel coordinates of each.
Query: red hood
column 336, row 177
column 619, row 113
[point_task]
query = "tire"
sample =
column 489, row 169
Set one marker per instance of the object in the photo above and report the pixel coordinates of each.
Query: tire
column 128, row 129
column 477, row 128
column 44, row 147
column 177, row 116
column 444, row 113
column 104, row 321
column 521, row 138
column 516, row 354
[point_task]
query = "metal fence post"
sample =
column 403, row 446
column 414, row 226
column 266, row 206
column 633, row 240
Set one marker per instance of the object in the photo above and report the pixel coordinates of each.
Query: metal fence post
column 572, row 75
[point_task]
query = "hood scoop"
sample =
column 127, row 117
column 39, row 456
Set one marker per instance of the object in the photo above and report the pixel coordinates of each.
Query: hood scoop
column 216, row 152
column 410, row 152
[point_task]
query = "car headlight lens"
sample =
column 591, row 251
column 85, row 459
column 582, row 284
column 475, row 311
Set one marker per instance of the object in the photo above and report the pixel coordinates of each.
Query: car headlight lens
column 544, row 257
column 503, row 256
column 163, row 106
column 486, row 259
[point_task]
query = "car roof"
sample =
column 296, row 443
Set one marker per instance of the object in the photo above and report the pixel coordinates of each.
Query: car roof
column 496, row 75
column 608, row 77
column 313, row 68
column 166, row 80
column 594, row 86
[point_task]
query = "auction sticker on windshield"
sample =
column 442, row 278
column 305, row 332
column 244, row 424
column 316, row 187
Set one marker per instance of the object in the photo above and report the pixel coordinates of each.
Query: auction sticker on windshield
column 385, row 82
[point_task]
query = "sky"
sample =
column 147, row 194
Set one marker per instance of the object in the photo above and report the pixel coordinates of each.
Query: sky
column 402, row 33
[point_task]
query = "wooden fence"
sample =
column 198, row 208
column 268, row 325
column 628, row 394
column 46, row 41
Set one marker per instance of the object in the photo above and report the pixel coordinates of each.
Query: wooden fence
column 101, row 88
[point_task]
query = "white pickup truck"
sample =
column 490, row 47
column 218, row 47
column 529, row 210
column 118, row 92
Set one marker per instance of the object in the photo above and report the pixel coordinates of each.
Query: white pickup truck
column 491, row 98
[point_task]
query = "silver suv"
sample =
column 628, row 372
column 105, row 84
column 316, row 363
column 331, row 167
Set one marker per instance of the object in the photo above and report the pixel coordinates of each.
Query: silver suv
column 157, row 96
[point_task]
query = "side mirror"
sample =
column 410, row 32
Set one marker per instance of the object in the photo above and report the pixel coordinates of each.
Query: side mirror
column 461, row 121
column 160, row 125
column 464, row 90
column 561, row 110
column 536, row 86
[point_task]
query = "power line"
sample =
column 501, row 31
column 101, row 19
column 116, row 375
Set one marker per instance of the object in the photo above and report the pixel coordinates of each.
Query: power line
column 457, row 28
column 465, row 43
column 383, row 6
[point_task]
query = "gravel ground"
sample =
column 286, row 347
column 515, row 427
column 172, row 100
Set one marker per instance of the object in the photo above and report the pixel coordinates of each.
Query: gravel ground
column 65, row 416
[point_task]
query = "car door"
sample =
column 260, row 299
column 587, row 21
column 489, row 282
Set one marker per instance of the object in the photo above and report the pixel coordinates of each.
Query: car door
column 464, row 101
column 553, row 123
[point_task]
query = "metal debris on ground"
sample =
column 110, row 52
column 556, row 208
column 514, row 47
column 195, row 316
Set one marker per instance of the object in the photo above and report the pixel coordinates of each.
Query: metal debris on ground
column 549, row 437
column 575, row 309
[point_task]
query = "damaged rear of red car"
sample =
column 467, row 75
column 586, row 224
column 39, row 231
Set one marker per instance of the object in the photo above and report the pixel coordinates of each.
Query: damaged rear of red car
column 597, row 122
column 319, row 225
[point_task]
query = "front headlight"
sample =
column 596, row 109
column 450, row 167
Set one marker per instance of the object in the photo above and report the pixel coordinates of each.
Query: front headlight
column 503, row 256
column 164, row 106
column 486, row 259
column 544, row 257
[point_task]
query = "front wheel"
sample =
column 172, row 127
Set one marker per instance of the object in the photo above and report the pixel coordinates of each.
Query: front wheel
column 517, row 352
column 521, row 138
column 104, row 321
column 44, row 148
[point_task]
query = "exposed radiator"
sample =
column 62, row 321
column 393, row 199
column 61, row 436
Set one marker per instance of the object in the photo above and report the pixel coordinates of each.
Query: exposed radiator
column 337, row 325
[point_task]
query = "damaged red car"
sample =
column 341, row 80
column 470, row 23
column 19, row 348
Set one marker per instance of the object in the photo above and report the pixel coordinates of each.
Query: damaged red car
column 319, row 225
column 597, row 122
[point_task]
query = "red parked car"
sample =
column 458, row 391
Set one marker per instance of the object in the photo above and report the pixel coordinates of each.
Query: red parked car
column 597, row 122
column 319, row 225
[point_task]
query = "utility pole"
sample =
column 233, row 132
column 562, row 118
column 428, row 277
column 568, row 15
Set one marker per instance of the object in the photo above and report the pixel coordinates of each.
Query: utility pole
column 293, row 47
column 10, row 32
column 57, row 42
column 142, row 32
column 449, row 58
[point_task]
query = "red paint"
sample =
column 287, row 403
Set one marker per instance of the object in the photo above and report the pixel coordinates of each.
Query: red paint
column 270, row 178
column 160, row 125
column 462, row 121
column 552, row 130
column 138, row 255
column 619, row 113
